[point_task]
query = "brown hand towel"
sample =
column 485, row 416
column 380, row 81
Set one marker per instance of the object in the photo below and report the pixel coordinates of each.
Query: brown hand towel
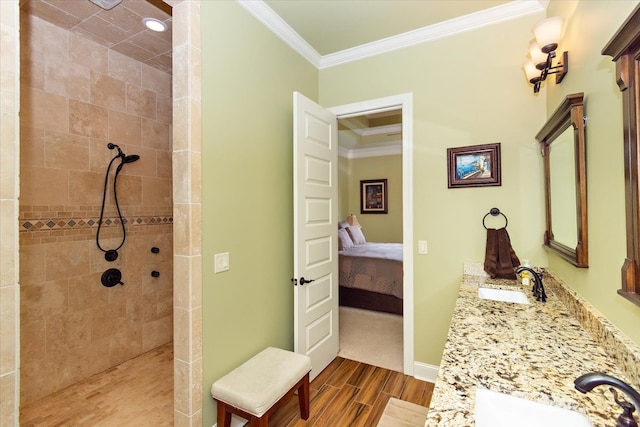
column 500, row 260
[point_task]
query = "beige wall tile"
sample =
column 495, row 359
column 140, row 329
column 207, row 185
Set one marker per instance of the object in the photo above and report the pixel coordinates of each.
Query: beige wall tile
column 68, row 80
column 44, row 40
column 8, row 414
column 43, row 300
column 125, row 345
column 123, row 68
column 164, row 110
column 38, row 189
column 87, row 292
column 74, row 366
column 141, row 101
column 157, row 332
column 8, row 153
column 86, row 188
column 88, row 120
column 89, row 54
column 66, row 151
column 124, row 128
column 156, row 80
column 75, row 261
column 107, row 91
column 156, row 191
column 32, row 342
column 156, row 135
column 9, row 236
column 130, row 190
column 32, row 265
column 68, row 331
column 31, row 70
column 31, row 146
column 163, row 165
column 34, row 385
column 8, row 328
column 44, row 110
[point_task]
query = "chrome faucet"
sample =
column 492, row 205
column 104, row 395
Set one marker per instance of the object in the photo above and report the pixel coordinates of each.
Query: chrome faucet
column 538, row 287
column 587, row 382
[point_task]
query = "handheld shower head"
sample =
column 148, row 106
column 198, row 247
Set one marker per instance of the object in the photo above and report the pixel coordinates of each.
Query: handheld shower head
column 130, row 159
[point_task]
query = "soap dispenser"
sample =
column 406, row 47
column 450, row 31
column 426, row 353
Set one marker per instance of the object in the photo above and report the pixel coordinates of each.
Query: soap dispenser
column 525, row 274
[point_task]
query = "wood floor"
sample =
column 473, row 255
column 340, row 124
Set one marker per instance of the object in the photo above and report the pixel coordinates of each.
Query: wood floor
column 140, row 393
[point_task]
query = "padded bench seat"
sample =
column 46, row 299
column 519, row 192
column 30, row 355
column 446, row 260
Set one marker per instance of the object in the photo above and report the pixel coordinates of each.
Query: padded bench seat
column 257, row 388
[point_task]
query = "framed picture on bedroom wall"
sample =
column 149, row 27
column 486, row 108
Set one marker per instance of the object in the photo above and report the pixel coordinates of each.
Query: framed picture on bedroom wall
column 373, row 196
column 474, row 166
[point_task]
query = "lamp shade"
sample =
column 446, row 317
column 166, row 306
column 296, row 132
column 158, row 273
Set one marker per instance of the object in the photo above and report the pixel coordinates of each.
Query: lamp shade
column 353, row 221
column 548, row 32
column 538, row 57
column 532, row 73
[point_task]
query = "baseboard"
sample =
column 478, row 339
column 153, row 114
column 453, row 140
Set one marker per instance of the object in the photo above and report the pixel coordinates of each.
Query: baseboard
column 425, row 372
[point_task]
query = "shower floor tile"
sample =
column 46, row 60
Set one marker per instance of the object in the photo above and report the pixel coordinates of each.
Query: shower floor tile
column 139, row 392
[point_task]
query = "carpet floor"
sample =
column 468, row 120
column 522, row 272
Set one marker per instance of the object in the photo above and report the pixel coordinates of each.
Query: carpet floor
column 371, row 337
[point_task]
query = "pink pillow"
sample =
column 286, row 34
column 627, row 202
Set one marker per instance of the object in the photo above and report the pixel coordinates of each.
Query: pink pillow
column 344, row 241
column 356, row 235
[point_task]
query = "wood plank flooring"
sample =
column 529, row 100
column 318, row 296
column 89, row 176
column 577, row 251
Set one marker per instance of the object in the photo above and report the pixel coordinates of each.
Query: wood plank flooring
column 140, row 393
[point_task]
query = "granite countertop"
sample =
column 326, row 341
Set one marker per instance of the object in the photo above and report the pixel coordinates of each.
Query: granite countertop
column 531, row 351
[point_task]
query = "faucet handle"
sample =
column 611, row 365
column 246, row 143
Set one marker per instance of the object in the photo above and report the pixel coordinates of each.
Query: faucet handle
column 625, row 419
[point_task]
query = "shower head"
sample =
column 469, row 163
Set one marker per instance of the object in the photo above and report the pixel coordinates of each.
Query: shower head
column 125, row 159
column 130, row 159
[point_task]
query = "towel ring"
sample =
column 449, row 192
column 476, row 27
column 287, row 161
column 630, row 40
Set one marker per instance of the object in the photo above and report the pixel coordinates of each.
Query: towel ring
column 495, row 212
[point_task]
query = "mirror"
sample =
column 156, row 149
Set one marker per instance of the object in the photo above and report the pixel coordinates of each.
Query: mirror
column 562, row 143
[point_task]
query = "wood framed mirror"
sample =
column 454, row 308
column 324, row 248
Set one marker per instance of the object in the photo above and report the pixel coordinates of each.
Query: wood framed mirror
column 562, row 142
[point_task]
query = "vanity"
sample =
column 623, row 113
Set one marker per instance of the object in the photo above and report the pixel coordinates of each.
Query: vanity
column 531, row 351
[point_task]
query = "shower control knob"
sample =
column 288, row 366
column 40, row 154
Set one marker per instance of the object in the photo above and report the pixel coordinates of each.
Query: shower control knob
column 155, row 273
column 155, row 250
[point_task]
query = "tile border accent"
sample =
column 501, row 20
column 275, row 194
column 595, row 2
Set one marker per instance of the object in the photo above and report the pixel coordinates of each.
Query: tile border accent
column 48, row 224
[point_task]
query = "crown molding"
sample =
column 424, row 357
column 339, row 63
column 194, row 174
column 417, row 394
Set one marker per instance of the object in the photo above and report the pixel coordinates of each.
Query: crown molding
column 459, row 25
column 280, row 28
column 359, row 153
column 494, row 15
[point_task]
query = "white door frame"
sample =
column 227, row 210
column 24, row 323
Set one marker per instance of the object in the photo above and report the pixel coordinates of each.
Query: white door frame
column 405, row 102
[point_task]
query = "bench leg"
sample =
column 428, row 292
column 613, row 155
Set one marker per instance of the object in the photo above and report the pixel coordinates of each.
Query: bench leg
column 224, row 417
column 303, row 398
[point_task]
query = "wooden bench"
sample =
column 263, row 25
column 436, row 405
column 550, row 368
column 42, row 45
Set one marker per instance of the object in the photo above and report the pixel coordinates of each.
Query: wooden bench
column 258, row 387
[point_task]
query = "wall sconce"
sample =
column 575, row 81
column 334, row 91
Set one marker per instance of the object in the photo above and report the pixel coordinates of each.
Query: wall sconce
column 543, row 51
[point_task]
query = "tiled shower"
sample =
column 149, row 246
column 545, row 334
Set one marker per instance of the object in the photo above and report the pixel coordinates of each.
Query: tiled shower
column 77, row 96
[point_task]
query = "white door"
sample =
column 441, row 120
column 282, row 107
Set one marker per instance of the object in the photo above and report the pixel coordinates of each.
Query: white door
column 315, row 247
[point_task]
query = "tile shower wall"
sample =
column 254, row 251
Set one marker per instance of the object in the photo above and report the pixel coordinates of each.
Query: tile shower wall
column 76, row 96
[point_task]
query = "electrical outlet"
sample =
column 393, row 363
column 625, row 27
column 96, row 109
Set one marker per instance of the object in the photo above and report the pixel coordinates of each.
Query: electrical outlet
column 422, row 247
column 221, row 262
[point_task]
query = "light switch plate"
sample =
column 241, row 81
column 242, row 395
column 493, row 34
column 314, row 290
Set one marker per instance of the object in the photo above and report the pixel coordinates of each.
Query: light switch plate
column 422, row 247
column 221, row 262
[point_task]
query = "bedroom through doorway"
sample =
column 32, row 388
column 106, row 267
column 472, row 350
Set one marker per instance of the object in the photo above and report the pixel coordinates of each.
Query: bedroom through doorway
column 371, row 237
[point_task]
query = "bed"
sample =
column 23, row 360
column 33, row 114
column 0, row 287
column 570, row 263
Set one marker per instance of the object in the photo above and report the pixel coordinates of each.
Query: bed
column 370, row 273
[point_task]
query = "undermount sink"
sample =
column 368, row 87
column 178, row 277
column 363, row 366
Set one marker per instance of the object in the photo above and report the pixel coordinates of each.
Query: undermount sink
column 494, row 409
column 504, row 295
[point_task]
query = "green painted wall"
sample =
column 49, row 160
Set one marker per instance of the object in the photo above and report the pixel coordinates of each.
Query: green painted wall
column 461, row 96
column 591, row 24
column 378, row 227
column 248, row 79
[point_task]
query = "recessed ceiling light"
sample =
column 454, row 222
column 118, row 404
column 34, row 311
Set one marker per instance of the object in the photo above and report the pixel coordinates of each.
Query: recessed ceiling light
column 154, row 24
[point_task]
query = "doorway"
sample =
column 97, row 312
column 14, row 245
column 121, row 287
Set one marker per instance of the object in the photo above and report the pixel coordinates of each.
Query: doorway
column 380, row 108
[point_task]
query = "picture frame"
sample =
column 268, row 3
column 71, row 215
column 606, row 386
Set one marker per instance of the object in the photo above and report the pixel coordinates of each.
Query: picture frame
column 474, row 166
column 373, row 196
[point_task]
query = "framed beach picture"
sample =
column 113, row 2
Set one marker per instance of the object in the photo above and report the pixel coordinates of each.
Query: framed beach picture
column 474, row 166
column 373, row 196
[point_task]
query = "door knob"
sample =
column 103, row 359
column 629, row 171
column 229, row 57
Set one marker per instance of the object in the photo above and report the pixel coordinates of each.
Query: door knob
column 303, row 281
